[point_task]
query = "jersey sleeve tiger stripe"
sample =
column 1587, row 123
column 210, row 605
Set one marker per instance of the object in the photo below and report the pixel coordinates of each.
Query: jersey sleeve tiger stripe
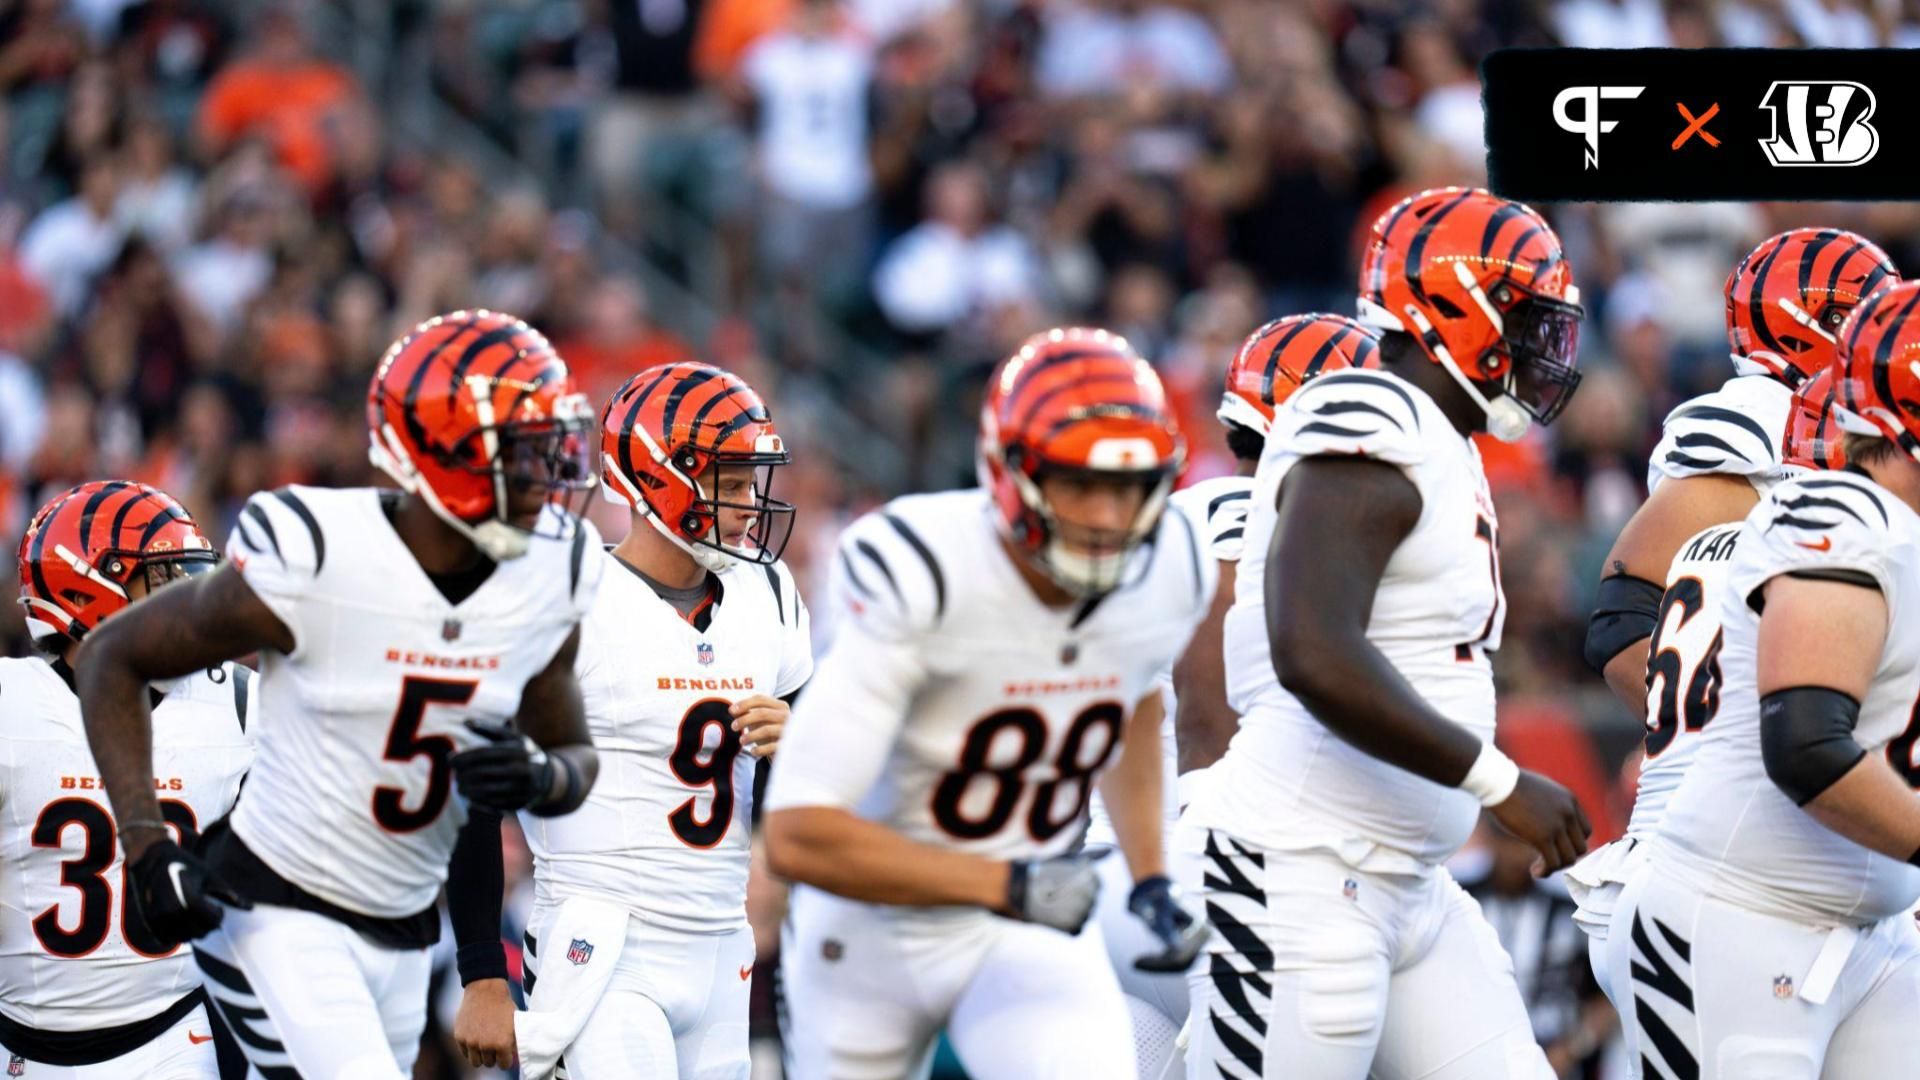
column 887, row 574
column 1226, row 524
column 1362, row 413
column 1833, row 526
column 279, row 549
column 1707, row 437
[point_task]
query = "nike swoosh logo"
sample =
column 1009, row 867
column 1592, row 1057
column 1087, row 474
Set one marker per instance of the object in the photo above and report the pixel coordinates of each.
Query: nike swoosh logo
column 174, row 871
column 1825, row 543
column 746, row 972
column 198, row 1039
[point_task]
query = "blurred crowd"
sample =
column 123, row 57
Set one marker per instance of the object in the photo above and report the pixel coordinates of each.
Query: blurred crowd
column 211, row 226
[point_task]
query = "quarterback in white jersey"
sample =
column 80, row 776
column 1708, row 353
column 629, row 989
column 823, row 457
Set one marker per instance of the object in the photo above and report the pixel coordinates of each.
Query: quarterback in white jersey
column 86, row 989
column 1274, row 361
column 695, row 637
column 1769, row 927
column 399, row 632
column 990, row 647
column 1356, row 654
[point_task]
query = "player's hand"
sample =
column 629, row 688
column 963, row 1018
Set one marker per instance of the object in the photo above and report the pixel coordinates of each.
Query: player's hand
column 507, row 772
column 1548, row 819
column 483, row 1028
column 1057, row 892
column 759, row 720
column 1157, row 903
column 175, row 893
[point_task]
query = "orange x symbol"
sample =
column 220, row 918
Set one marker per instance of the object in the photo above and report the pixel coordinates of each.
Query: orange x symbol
column 1697, row 125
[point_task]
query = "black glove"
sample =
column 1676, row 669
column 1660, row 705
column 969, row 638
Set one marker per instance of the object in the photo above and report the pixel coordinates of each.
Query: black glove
column 174, row 892
column 1155, row 902
column 1057, row 892
column 509, row 772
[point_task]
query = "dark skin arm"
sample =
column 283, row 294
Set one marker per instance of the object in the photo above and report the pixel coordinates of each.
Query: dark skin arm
column 553, row 716
column 1203, row 722
column 1645, row 549
column 187, row 627
column 1317, row 631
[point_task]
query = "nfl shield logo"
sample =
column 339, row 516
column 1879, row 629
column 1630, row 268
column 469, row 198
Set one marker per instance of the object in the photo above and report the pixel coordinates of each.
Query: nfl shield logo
column 17, row 1066
column 1783, row 987
column 450, row 630
column 579, row 951
column 703, row 652
column 1350, row 889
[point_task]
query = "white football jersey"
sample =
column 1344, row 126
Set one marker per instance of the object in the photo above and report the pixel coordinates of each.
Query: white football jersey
column 1683, row 669
column 74, row 956
column 1738, row 430
column 350, row 796
column 1218, row 508
column 1735, row 835
column 1286, row 780
column 673, row 801
column 954, row 706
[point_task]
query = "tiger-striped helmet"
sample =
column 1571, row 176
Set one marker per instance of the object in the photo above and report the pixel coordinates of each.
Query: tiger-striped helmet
column 83, row 549
column 1877, row 374
column 1078, row 401
column 1787, row 299
column 1277, row 358
column 468, row 411
column 1813, row 434
column 1481, row 285
column 665, row 438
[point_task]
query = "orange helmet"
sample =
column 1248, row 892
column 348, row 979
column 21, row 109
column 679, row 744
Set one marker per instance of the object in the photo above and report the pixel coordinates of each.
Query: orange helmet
column 1480, row 283
column 1080, row 401
column 1813, row 435
column 1787, row 299
column 661, row 433
column 1878, row 391
column 1285, row 353
column 468, row 406
column 83, row 548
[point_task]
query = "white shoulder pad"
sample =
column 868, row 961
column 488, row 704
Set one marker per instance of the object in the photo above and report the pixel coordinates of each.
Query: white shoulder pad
column 887, row 574
column 1734, row 431
column 1361, row 413
column 1833, row 523
column 1219, row 508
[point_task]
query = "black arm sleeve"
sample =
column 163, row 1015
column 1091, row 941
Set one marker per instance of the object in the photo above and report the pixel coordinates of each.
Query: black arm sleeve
column 476, row 883
column 1624, row 612
column 1806, row 739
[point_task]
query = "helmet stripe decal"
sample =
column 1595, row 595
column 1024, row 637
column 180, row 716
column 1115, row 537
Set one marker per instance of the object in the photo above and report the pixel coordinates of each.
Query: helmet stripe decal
column 1325, row 350
column 1495, row 222
column 1044, row 362
column 1142, row 413
column 171, row 511
column 120, row 515
column 39, row 545
column 1531, row 231
column 1273, row 359
column 679, row 394
column 416, row 430
column 740, row 420
column 1883, row 350
column 1064, row 386
column 1418, row 247
column 713, row 403
column 1377, row 276
column 1811, row 255
column 92, row 507
column 1881, row 272
column 633, row 415
column 1757, row 303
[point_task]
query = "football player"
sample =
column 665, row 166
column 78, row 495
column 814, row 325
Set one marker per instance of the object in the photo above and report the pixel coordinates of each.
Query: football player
column 1357, row 656
column 1274, row 361
column 1769, row 934
column 689, row 657
column 933, row 783
column 398, row 632
column 87, row 991
column 1658, row 645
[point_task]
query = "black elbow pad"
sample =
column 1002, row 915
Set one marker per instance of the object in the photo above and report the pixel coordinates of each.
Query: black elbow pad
column 1623, row 613
column 1806, row 739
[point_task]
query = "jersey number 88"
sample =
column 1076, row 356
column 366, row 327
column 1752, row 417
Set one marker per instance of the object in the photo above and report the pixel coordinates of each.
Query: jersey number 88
column 1074, row 765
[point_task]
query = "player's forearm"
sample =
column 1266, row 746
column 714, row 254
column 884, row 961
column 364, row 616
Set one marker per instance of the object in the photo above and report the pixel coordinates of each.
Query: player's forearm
column 1352, row 689
column 569, row 791
column 1872, row 807
column 1626, row 676
column 476, row 880
column 1132, row 793
column 1202, row 721
column 835, row 850
column 119, row 725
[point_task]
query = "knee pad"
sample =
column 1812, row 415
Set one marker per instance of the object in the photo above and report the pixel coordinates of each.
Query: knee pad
column 1752, row 1058
column 1343, row 988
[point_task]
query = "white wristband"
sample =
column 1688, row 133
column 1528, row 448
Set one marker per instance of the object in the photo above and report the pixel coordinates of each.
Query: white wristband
column 1492, row 778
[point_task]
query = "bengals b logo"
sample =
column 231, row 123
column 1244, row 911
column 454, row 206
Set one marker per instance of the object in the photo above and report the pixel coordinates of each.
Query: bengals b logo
column 1820, row 123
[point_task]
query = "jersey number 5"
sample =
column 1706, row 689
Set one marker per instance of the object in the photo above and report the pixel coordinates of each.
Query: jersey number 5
column 1008, row 780
column 404, row 743
column 85, row 873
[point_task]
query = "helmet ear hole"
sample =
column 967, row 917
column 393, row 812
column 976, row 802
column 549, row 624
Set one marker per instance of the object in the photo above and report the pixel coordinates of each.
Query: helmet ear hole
column 693, row 524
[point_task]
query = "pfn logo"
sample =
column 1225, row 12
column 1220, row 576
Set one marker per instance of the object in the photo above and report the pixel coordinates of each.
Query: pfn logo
column 1589, row 125
column 1820, row 123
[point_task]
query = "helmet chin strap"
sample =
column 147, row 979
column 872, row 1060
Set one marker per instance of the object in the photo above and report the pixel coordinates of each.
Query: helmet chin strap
column 711, row 559
column 1507, row 420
